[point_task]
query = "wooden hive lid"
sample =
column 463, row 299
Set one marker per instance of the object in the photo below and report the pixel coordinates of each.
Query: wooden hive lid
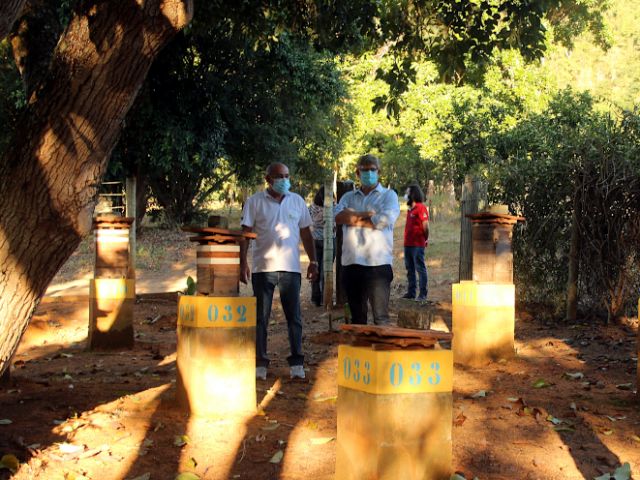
column 112, row 221
column 207, row 235
column 491, row 217
column 389, row 337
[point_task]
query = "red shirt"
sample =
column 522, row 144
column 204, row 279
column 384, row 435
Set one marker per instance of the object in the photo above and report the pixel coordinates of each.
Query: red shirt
column 413, row 230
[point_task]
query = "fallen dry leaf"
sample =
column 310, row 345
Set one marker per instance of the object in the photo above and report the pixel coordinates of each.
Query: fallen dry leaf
column 479, row 394
column 187, row 476
column 321, row 440
column 459, row 420
column 277, row 457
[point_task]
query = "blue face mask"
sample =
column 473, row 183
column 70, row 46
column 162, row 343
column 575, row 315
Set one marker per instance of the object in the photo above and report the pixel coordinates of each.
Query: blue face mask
column 281, row 185
column 369, row 178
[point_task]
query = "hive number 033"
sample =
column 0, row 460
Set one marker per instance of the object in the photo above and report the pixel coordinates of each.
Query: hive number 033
column 360, row 372
column 415, row 374
column 357, row 370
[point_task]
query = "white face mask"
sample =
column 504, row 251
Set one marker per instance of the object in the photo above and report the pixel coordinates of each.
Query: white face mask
column 406, row 197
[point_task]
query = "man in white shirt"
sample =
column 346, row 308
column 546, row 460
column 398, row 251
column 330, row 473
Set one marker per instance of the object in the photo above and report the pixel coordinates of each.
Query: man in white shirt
column 367, row 216
column 281, row 219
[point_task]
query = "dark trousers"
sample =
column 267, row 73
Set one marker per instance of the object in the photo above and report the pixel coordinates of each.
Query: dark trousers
column 414, row 261
column 368, row 285
column 288, row 283
column 317, row 287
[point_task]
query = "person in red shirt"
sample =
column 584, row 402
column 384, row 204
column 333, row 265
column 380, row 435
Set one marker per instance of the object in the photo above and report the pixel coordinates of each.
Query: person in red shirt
column 416, row 236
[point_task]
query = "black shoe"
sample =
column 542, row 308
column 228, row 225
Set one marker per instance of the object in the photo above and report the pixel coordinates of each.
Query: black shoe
column 406, row 295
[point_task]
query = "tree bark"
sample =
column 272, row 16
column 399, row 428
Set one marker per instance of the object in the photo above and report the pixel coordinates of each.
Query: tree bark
column 9, row 12
column 52, row 169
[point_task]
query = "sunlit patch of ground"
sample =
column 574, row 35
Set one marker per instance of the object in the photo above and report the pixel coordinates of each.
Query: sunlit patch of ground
column 112, row 415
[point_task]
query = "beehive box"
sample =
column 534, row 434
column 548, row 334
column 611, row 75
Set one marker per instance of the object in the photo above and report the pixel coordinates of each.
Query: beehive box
column 483, row 322
column 216, row 355
column 111, row 313
column 394, row 414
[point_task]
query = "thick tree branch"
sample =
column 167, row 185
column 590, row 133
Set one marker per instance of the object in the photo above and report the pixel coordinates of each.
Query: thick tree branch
column 9, row 11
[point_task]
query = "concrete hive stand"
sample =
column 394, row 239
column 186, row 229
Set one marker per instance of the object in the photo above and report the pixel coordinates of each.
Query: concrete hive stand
column 483, row 310
column 216, row 331
column 112, row 291
column 394, row 405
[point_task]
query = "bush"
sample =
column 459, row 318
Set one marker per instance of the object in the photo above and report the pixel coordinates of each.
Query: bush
column 569, row 158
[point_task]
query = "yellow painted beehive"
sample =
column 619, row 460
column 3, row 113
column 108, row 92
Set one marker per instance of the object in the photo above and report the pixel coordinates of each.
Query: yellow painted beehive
column 111, row 313
column 394, row 414
column 483, row 322
column 216, row 355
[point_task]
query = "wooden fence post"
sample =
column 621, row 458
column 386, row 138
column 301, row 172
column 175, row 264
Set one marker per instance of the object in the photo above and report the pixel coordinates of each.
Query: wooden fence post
column 574, row 253
column 130, row 211
column 431, row 191
column 473, row 199
column 327, row 259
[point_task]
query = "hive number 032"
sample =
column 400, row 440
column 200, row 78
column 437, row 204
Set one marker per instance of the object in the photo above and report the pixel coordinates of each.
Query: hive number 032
column 227, row 313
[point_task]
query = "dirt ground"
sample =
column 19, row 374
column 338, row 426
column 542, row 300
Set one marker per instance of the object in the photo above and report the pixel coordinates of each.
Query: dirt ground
column 563, row 408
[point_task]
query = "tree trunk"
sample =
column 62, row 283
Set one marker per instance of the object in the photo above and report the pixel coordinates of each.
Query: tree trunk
column 54, row 165
column 142, row 195
column 130, row 211
column 431, row 191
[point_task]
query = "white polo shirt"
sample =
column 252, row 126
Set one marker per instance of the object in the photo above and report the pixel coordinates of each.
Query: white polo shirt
column 278, row 227
column 370, row 247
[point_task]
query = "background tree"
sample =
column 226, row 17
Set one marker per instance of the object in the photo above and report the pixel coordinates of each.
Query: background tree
column 218, row 105
column 77, row 105
column 572, row 155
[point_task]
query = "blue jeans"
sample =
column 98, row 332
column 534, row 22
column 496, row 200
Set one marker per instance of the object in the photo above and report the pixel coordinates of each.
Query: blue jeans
column 414, row 260
column 264, row 284
column 368, row 285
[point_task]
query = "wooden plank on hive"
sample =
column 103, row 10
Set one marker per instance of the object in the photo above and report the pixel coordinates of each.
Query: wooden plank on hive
column 215, row 238
column 388, row 331
column 222, row 231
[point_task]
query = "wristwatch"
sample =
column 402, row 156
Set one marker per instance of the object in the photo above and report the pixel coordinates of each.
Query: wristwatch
column 313, row 262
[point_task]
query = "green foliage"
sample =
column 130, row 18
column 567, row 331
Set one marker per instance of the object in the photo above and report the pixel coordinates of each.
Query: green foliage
column 571, row 153
column 441, row 132
column 215, row 109
column 611, row 76
column 462, row 37
column 192, row 286
column 12, row 96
